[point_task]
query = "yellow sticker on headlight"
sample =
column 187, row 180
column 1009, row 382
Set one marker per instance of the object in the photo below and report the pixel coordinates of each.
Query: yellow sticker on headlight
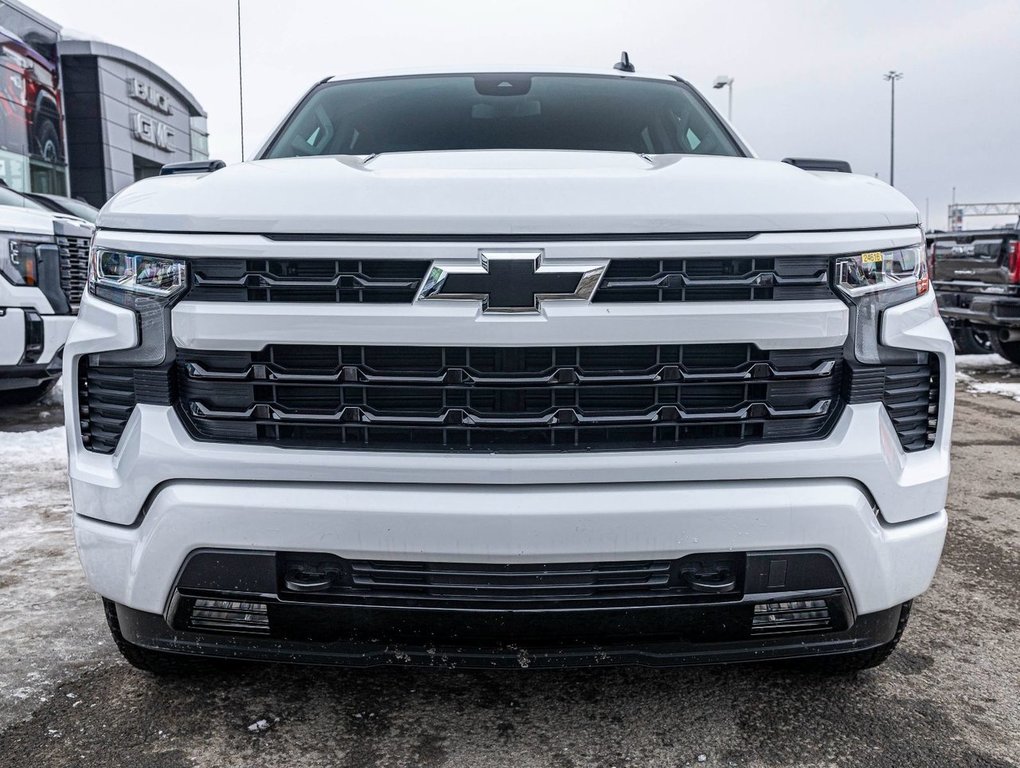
column 871, row 258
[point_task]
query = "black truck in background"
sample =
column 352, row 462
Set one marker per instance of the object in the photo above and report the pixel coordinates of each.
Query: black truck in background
column 976, row 274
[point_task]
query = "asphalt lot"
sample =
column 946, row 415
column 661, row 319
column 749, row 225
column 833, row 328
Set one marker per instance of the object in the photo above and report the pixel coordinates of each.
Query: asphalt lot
column 949, row 696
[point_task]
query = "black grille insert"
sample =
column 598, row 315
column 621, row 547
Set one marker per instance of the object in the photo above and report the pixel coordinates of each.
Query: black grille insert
column 74, row 267
column 504, row 586
column 783, row 278
column 306, row 280
column 716, row 279
column 517, row 399
column 910, row 394
column 107, row 395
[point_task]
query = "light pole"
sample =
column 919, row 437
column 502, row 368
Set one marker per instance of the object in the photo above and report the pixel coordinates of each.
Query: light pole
column 892, row 76
column 726, row 82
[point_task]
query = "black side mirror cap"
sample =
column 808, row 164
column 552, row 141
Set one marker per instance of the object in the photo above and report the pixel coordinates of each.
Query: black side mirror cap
column 816, row 164
column 192, row 166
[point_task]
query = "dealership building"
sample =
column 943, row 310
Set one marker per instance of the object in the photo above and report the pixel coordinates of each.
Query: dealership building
column 84, row 118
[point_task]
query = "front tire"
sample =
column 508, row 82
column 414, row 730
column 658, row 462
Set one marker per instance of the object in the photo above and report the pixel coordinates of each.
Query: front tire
column 1008, row 349
column 159, row 663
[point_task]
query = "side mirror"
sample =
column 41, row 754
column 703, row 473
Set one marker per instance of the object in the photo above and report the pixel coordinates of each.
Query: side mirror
column 816, row 164
column 192, row 166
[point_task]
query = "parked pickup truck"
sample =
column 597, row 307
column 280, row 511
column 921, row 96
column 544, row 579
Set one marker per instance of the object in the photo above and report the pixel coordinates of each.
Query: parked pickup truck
column 977, row 280
column 43, row 262
column 508, row 368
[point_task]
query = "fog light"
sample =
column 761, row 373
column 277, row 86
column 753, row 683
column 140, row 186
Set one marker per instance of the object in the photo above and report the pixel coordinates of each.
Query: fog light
column 229, row 616
column 791, row 616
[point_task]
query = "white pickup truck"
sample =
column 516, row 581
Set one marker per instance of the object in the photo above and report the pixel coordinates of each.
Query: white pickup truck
column 509, row 368
column 43, row 263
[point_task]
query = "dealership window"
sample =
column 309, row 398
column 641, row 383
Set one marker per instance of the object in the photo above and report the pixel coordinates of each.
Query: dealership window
column 48, row 179
column 145, row 169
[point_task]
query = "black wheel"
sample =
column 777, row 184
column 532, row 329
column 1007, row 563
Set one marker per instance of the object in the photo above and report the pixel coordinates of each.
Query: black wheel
column 858, row 661
column 26, row 396
column 972, row 341
column 1008, row 349
column 159, row 663
column 47, row 139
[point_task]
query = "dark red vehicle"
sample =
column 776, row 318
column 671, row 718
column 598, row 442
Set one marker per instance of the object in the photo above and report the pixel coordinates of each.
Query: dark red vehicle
column 30, row 109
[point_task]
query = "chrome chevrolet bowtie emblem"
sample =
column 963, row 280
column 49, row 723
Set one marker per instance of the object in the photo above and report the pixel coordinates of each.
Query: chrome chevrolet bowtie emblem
column 511, row 281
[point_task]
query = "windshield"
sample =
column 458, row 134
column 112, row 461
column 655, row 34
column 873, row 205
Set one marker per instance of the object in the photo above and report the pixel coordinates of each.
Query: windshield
column 75, row 207
column 9, row 197
column 511, row 111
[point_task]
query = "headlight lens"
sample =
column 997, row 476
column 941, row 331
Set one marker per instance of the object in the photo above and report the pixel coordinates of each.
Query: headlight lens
column 19, row 260
column 893, row 276
column 872, row 282
column 136, row 273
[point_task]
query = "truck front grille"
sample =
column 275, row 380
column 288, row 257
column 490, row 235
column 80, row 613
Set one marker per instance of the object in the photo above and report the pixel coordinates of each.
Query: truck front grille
column 505, row 586
column 784, row 278
column 323, row 281
column 500, row 399
column 74, row 267
column 748, row 279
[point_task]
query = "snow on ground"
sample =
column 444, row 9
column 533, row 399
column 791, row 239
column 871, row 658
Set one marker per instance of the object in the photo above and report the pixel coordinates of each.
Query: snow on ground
column 988, row 374
column 35, row 538
column 981, row 362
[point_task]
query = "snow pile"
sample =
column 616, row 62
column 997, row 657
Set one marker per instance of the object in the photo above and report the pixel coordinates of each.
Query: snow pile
column 981, row 362
column 988, row 366
column 24, row 450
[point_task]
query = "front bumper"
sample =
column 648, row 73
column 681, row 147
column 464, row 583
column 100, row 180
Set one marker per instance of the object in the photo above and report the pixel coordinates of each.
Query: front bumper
column 14, row 372
column 883, row 564
column 152, row 631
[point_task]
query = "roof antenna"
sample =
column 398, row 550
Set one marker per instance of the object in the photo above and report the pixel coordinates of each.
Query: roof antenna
column 240, row 77
column 624, row 64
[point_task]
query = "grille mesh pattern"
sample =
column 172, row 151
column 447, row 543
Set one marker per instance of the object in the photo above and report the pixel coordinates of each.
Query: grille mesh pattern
column 74, row 265
column 390, row 281
column 496, row 399
column 306, row 280
column 749, row 279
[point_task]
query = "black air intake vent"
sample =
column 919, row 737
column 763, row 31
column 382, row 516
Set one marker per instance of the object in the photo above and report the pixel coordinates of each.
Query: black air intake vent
column 325, row 281
column 498, row 399
column 503, row 586
column 107, row 395
column 330, row 281
column 910, row 394
column 726, row 279
column 74, row 267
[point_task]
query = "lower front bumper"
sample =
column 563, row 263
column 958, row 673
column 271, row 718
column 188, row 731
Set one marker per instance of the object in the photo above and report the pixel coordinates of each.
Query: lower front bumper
column 700, row 637
column 883, row 564
column 15, row 331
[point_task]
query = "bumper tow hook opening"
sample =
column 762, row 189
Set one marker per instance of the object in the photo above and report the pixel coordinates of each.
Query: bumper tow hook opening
column 710, row 581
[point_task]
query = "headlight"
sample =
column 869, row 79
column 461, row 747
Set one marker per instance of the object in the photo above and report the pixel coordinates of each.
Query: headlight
column 889, row 276
column 146, row 285
column 19, row 259
column 873, row 282
column 113, row 272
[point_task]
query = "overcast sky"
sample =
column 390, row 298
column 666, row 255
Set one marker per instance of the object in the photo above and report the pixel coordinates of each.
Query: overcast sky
column 808, row 75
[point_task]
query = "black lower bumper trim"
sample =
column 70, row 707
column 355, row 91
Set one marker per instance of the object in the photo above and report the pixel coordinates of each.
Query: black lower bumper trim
column 867, row 631
column 980, row 309
column 25, row 376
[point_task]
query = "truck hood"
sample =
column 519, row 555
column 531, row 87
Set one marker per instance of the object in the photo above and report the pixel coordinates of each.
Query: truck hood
column 508, row 192
column 29, row 221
